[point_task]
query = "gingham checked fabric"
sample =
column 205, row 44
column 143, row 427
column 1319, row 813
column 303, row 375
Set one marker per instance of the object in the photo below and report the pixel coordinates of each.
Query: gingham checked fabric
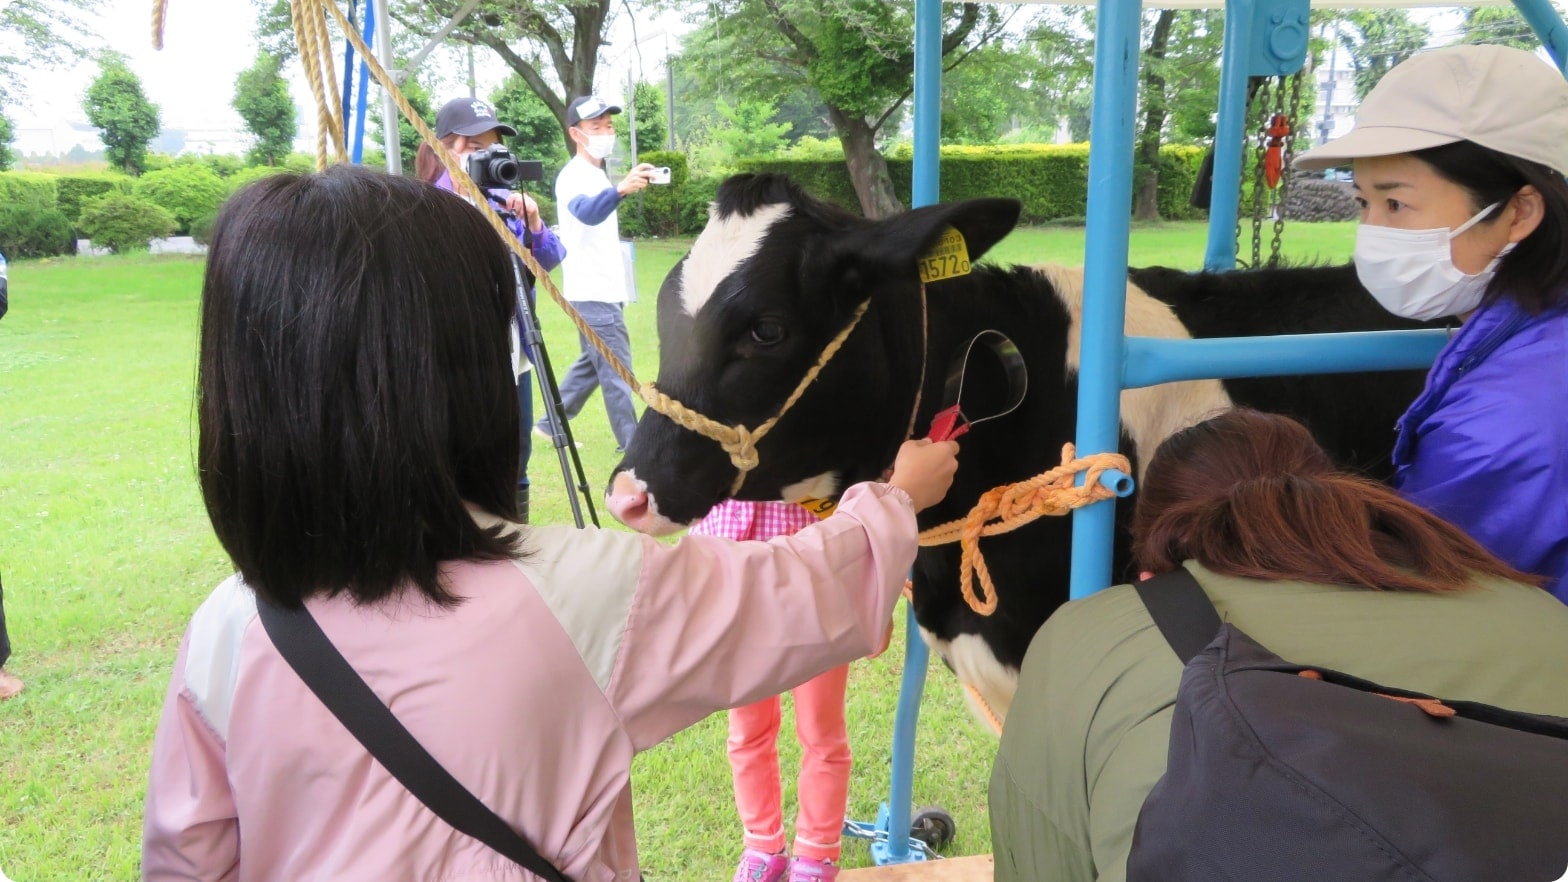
column 739, row 519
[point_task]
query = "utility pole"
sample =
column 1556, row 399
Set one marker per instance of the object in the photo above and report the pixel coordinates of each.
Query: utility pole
column 631, row 115
column 473, row 91
column 669, row 98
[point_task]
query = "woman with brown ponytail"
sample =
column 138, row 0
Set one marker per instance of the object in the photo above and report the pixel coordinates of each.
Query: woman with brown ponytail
column 1323, row 567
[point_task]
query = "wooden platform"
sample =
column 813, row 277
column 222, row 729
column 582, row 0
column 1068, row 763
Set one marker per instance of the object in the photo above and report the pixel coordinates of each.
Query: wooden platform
column 965, row 869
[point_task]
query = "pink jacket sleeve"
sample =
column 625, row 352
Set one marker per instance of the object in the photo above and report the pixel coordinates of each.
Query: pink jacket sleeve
column 190, row 830
column 717, row 624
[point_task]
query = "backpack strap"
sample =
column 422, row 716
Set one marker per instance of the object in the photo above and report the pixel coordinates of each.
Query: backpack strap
column 305, row 647
column 1183, row 613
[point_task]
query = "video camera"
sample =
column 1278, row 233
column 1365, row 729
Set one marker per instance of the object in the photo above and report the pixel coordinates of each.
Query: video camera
column 496, row 168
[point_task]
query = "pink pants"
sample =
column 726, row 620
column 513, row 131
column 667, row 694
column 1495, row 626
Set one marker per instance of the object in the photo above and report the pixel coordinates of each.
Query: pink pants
column 823, row 786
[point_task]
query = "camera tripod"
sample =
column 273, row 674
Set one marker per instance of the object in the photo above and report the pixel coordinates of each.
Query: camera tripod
column 532, row 341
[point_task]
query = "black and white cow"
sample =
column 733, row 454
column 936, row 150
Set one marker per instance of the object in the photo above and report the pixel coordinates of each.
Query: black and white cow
column 776, row 274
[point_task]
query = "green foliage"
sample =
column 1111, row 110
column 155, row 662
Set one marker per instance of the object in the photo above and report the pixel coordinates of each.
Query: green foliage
column 1051, row 180
column 658, row 208
column 121, row 222
column 252, row 174
column 7, row 135
column 539, row 133
column 29, row 189
column 223, row 165
column 39, row 34
column 1498, row 24
column 77, row 189
column 748, row 131
column 261, row 97
column 186, row 191
column 201, row 228
column 652, row 127
column 28, row 231
column 407, row 136
column 125, row 119
column 695, row 198
column 1378, row 39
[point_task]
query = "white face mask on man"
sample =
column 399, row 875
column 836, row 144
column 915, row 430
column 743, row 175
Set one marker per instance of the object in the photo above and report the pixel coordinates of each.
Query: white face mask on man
column 1412, row 272
column 600, row 146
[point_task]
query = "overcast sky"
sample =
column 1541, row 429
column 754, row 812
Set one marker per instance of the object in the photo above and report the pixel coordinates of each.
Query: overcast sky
column 208, row 42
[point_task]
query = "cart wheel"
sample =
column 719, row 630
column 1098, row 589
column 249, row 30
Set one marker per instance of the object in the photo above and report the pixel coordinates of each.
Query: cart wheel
column 933, row 826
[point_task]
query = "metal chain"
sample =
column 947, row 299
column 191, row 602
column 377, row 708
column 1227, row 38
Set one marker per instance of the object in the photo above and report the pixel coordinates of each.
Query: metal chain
column 1259, row 182
column 1288, row 153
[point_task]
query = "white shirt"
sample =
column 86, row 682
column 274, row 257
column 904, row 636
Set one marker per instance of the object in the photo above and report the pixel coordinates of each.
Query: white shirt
column 594, row 268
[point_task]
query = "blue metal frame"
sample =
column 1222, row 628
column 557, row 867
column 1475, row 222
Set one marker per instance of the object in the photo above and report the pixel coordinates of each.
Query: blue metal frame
column 1110, row 360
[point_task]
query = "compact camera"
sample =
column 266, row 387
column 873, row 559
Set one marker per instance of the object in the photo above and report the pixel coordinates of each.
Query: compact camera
column 496, row 168
column 660, row 175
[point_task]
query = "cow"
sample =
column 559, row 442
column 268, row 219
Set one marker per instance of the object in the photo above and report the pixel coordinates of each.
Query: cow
column 775, row 275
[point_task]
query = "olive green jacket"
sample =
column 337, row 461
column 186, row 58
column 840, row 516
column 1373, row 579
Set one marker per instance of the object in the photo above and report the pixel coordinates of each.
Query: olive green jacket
column 1087, row 735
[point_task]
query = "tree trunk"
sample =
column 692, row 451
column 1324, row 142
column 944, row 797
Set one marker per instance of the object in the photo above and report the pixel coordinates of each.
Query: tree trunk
column 1146, row 201
column 867, row 169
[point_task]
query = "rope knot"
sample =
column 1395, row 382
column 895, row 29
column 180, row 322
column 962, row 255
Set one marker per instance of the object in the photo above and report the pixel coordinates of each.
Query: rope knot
column 1006, row 508
column 742, row 448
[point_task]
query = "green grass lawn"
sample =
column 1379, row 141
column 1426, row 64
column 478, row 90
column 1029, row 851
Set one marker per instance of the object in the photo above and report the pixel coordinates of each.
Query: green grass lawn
column 106, row 551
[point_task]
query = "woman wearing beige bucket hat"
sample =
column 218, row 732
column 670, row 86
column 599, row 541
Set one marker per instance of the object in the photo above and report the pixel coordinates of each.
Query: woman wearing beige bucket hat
column 1459, row 156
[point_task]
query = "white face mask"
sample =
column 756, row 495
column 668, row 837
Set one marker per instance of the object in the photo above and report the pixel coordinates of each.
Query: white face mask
column 600, row 146
column 1412, row 272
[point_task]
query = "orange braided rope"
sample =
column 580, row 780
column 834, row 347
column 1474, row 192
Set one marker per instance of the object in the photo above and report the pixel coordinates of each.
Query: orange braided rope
column 1014, row 505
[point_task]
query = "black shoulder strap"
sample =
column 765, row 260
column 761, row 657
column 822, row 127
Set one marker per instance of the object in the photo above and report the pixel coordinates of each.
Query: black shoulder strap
column 300, row 640
column 1184, row 614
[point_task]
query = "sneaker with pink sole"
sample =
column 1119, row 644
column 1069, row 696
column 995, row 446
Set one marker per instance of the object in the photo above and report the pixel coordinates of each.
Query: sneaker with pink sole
column 759, row 866
column 804, row 869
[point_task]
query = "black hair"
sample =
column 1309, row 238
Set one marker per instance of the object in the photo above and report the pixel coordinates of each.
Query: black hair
column 1535, row 273
column 354, row 386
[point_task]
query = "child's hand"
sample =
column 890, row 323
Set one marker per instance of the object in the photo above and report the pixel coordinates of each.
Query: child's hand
column 924, row 469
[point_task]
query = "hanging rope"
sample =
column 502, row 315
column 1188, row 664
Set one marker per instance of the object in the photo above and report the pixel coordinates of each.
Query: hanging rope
column 159, row 8
column 314, row 39
column 1014, row 505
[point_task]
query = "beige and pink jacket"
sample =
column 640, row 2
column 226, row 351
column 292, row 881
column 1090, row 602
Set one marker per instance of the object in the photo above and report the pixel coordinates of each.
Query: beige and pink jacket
column 535, row 692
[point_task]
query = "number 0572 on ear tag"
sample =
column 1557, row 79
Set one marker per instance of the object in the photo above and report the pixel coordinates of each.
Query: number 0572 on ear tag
column 948, row 258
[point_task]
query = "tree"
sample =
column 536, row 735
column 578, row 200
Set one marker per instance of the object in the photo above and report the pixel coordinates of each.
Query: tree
column 7, row 134
column 855, row 56
column 524, row 34
column 652, row 129
column 407, row 136
column 748, row 131
column 117, row 106
column 1378, row 39
column 1180, row 93
column 39, row 33
column 982, row 98
column 1498, row 24
column 538, row 132
column 262, row 99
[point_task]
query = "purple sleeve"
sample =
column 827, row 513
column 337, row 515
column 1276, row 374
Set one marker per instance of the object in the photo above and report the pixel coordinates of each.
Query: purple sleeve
column 547, row 248
column 592, row 210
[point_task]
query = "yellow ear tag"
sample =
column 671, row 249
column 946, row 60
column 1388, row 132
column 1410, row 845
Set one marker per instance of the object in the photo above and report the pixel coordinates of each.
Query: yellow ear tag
column 947, row 259
column 819, row 507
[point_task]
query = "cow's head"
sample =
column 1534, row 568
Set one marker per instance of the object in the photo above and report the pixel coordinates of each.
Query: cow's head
column 772, row 279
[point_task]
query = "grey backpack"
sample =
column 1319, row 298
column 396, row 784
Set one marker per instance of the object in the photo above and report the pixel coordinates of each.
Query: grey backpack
column 1279, row 775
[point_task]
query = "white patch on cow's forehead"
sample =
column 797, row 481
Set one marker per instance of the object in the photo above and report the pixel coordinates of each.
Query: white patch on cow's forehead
column 823, row 486
column 723, row 245
column 1153, row 413
column 977, row 667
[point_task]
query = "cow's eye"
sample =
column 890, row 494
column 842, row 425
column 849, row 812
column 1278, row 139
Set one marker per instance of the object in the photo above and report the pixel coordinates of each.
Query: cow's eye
column 768, row 332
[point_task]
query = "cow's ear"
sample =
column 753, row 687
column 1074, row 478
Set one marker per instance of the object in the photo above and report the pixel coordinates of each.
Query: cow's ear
column 905, row 239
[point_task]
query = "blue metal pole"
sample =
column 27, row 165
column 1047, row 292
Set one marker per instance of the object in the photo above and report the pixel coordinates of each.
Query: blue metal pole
column 1548, row 25
column 917, row 656
column 1116, row 53
column 348, row 64
column 926, row 186
column 1150, row 360
column 363, row 96
column 1229, row 148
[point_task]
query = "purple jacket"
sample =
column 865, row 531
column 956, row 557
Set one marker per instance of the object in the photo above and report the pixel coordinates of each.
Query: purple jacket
column 1486, row 444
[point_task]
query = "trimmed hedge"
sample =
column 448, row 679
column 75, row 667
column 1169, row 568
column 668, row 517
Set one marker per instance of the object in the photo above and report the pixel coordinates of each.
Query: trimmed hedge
column 29, row 231
column 1052, row 180
column 120, row 222
column 188, row 191
column 29, row 189
column 77, row 189
column 658, row 208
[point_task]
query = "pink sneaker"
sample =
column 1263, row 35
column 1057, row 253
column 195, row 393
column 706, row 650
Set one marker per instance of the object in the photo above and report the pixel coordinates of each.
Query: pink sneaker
column 804, row 869
column 759, row 866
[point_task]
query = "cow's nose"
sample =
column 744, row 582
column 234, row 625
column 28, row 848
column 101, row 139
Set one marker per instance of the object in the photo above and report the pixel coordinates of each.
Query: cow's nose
column 628, row 501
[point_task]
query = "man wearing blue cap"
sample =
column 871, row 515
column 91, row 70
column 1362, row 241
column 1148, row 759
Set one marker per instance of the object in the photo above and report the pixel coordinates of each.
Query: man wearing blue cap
column 594, row 272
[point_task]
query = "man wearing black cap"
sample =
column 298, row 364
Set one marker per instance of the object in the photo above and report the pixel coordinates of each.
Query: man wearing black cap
column 594, row 271
column 467, row 125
